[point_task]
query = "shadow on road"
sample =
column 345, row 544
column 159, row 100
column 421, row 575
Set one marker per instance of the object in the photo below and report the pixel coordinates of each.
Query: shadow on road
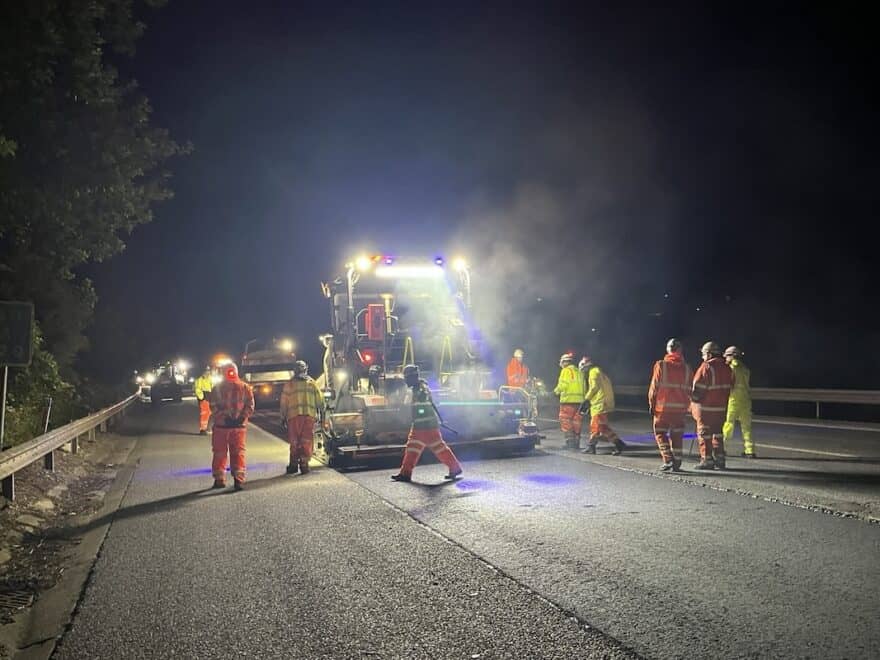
column 159, row 506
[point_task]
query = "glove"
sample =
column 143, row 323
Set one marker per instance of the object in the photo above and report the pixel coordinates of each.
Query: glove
column 284, row 424
column 585, row 408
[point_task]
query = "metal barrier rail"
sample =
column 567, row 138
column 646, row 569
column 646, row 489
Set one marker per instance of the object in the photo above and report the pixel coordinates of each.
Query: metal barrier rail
column 44, row 446
column 858, row 397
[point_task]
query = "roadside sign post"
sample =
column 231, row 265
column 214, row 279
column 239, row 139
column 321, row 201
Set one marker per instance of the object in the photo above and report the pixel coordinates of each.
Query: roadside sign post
column 16, row 345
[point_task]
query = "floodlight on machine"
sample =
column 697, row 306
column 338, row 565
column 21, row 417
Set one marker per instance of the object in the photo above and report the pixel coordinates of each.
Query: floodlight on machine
column 151, row 378
column 363, row 263
column 414, row 272
column 459, row 264
column 286, row 345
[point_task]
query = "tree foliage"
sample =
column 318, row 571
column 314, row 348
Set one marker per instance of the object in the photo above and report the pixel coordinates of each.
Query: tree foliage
column 80, row 162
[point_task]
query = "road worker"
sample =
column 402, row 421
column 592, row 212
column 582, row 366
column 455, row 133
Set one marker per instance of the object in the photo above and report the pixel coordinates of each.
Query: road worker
column 739, row 407
column 517, row 371
column 713, row 381
column 202, row 389
column 232, row 404
column 425, row 430
column 598, row 403
column 301, row 404
column 668, row 401
column 571, row 389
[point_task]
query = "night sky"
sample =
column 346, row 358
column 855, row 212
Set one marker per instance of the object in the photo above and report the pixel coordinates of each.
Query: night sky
column 607, row 169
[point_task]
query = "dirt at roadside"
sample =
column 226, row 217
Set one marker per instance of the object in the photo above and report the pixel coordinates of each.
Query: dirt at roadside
column 33, row 549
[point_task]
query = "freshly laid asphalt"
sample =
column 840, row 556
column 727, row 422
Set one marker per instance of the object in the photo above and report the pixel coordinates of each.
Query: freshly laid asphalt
column 526, row 557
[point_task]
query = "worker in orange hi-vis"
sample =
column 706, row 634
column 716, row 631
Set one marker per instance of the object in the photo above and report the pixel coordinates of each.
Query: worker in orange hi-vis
column 517, row 370
column 668, row 402
column 302, row 403
column 232, row 404
column 710, row 393
column 202, row 389
column 425, row 430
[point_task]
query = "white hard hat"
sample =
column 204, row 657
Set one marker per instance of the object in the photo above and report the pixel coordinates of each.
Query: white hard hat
column 518, row 353
column 565, row 357
column 732, row 351
column 711, row 348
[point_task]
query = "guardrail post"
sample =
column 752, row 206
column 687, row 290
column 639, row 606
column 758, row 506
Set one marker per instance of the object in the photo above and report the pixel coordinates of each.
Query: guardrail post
column 74, row 445
column 9, row 487
column 49, row 461
column 92, row 433
column 817, row 410
column 102, row 427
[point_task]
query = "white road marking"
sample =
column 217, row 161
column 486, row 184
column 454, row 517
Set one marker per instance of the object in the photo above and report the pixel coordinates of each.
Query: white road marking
column 762, row 445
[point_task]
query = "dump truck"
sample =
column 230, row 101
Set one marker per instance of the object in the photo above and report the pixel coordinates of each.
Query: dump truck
column 387, row 312
column 266, row 365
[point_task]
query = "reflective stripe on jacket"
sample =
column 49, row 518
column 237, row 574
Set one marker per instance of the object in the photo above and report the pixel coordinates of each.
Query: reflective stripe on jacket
column 741, row 395
column 670, row 386
column 423, row 414
column 712, row 384
column 600, row 392
column 301, row 397
column 571, row 387
column 202, row 387
column 517, row 373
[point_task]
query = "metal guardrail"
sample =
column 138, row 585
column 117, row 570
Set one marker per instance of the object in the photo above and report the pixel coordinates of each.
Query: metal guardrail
column 818, row 397
column 44, row 446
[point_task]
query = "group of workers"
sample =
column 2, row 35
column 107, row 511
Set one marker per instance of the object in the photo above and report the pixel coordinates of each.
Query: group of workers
column 231, row 403
column 717, row 395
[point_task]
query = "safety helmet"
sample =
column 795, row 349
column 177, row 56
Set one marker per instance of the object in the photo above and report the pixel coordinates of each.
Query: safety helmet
column 711, row 348
column 585, row 362
column 673, row 345
column 519, row 353
column 230, row 371
column 566, row 358
column 300, row 369
column 732, row 351
column 411, row 375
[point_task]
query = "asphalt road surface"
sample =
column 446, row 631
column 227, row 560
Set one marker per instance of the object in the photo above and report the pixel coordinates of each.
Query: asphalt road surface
column 554, row 555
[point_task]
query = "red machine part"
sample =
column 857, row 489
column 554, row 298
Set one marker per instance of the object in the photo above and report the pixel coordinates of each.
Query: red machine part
column 375, row 321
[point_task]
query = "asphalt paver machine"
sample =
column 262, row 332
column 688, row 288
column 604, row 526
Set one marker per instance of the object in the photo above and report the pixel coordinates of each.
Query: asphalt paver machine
column 387, row 312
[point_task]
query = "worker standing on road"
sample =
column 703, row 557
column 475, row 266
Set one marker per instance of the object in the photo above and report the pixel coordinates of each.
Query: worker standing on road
column 571, row 390
column 710, row 393
column 598, row 402
column 668, row 401
column 425, row 430
column 517, row 371
column 232, row 404
column 301, row 404
column 202, row 389
column 739, row 407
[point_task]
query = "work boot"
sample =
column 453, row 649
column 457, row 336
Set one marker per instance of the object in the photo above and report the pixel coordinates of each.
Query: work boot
column 591, row 449
column 667, row 467
column 749, row 454
column 676, row 465
column 303, row 467
column 720, row 463
column 203, row 432
column 452, row 476
column 239, row 485
column 708, row 464
column 291, row 469
column 401, row 477
column 619, row 446
column 218, row 484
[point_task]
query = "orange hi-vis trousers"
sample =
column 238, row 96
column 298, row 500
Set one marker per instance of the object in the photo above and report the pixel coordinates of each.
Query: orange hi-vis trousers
column 204, row 414
column 570, row 420
column 669, row 431
column 231, row 441
column 421, row 439
column 710, row 425
column 599, row 430
column 301, row 436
